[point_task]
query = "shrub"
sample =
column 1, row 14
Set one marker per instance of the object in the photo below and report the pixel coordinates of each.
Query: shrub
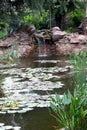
column 3, row 29
column 76, row 17
column 40, row 20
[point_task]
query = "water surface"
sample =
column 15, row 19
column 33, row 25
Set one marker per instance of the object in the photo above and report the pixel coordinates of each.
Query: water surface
column 26, row 88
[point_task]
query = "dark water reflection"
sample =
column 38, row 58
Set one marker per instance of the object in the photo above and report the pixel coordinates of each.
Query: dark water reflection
column 39, row 118
column 36, row 61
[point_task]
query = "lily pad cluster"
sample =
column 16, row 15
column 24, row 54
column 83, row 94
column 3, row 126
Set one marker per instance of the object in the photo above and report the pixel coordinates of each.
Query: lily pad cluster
column 23, row 88
column 9, row 127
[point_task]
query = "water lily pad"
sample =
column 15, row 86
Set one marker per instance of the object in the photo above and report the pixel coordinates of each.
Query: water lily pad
column 8, row 127
column 2, row 112
column 2, row 128
column 22, row 111
column 1, row 124
column 5, row 108
column 31, row 105
column 17, row 128
column 11, row 111
column 21, row 85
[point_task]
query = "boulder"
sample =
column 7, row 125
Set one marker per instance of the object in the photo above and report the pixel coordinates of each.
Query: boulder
column 55, row 29
column 77, row 38
column 25, row 50
column 57, row 34
column 29, row 29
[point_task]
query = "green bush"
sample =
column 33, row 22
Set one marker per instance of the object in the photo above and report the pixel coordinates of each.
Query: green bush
column 14, row 22
column 76, row 17
column 40, row 20
column 3, row 29
column 3, row 33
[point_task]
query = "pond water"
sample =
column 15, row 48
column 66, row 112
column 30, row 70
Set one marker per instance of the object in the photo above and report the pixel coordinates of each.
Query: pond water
column 25, row 90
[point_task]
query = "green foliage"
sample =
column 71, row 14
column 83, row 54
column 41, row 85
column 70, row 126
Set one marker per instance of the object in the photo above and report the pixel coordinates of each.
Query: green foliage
column 42, row 10
column 37, row 18
column 3, row 24
column 3, row 33
column 76, row 17
column 70, row 29
column 3, row 29
column 78, row 60
column 71, row 109
column 60, row 8
column 14, row 23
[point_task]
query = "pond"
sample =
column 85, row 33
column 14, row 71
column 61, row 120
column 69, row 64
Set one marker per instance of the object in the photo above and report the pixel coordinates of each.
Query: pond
column 26, row 88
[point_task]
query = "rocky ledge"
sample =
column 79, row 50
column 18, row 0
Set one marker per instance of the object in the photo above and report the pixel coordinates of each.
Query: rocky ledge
column 24, row 43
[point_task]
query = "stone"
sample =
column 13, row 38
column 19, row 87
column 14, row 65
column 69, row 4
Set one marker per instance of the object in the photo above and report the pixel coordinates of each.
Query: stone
column 29, row 29
column 77, row 38
column 55, row 29
column 57, row 35
column 25, row 50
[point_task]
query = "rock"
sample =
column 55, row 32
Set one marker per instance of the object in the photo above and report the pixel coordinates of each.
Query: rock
column 64, row 40
column 57, row 35
column 42, row 36
column 76, row 38
column 82, row 39
column 55, row 29
column 23, row 44
column 63, row 49
column 29, row 29
column 25, row 50
column 67, row 49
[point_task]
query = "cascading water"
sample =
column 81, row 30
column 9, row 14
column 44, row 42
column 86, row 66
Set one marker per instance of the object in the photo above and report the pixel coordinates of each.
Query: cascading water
column 41, row 47
column 43, row 38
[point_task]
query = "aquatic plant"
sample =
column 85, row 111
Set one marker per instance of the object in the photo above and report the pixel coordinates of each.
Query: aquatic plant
column 23, row 95
column 9, row 56
column 71, row 110
column 78, row 60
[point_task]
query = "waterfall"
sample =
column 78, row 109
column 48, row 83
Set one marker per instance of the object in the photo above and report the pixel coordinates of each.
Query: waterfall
column 41, row 47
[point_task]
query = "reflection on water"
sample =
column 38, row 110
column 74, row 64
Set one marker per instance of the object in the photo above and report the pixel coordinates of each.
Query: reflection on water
column 50, row 71
column 39, row 119
column 35, row 61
